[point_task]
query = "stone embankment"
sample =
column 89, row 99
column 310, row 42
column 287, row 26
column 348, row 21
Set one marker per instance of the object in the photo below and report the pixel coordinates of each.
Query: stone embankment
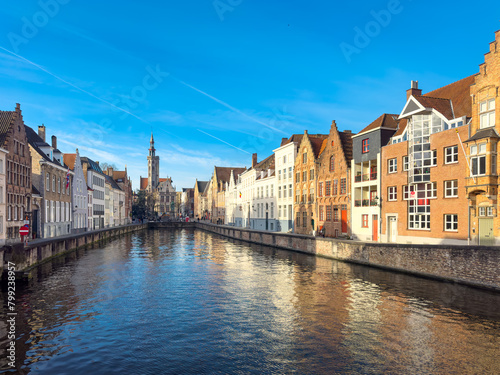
column 39, row 251
column 477, row 266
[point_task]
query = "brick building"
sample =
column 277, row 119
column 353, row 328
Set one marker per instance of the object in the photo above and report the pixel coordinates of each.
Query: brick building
column 49, row 175
column 333, row 181
column 366, row 177
column 424, row 168
column 305, row 182
column 3, row 188
column 482, row 187
column 18, row 172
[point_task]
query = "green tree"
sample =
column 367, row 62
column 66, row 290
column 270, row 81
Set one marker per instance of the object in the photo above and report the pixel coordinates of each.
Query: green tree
column 139, row 209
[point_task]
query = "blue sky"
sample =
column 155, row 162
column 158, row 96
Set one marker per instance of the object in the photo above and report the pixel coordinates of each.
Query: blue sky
column 219, row 80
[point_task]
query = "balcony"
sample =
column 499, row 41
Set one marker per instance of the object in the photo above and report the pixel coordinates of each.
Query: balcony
column 365, row 202
column 365, row 177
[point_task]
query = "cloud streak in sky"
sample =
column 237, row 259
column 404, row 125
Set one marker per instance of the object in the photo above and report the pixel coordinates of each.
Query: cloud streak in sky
column 72, row 85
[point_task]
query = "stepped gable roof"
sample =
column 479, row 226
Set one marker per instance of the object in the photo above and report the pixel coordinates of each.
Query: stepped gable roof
column 346, row 143
column 224, row 173
column 317, row 141
column 69, row 160
column 112, row 182
column 385, row 120
column 6, row 118
column 92, row 165
column 485, row 133
column 202, row 185
column 459, row 94
column 36, row 142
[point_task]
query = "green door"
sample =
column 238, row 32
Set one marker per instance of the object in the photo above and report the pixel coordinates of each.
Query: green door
column 486, row 237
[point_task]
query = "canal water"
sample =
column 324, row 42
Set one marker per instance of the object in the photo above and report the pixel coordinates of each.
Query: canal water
column 189, row 302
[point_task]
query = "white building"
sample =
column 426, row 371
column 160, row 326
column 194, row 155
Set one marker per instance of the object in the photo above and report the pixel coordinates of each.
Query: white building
column 3, row 189
column 79, row 199
column 285, row 161
column 114, row 204
column 251, row 201
column 264, row 202
column 232, row 201
column 95, row 180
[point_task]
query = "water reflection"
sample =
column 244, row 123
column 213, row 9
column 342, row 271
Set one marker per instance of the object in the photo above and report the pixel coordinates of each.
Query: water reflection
column 190, row 302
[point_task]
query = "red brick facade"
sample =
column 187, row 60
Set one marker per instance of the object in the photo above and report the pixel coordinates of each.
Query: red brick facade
column 333, row 184
column 306, row 168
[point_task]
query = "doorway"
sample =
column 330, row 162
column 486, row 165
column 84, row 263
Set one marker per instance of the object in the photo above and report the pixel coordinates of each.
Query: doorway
column 392, row 229
column 343, row 216
column 375, row 228
column 486, row 237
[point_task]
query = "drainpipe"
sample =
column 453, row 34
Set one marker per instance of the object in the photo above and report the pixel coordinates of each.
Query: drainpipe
column 468, row 221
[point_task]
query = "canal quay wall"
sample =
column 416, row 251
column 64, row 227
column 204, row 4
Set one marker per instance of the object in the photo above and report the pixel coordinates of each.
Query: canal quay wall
column 477, row 266
column 42, row 250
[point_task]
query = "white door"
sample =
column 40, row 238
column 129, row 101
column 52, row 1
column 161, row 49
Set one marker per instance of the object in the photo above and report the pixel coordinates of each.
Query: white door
column 392, row 229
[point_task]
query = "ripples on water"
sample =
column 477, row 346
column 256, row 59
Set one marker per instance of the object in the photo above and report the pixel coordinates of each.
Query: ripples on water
column 187, row 302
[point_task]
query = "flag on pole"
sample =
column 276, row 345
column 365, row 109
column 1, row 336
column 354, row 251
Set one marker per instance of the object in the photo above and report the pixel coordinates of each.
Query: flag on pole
column 240, row 194
column 67, row 179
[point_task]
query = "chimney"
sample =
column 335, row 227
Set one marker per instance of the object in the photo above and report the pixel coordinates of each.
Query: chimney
column 18, row 107
column 110, row 172
column 41, row 132
column 54, row 141
column 254, row 160
column 97, row 163
column 414, row 90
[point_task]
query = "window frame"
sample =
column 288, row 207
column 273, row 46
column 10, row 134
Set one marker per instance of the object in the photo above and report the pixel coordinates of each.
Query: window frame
column 365, row 146
column 452, row 221
column 392, row 193
column 449, row 152
column 451, row 189
column 364, row 221
column 392, row 165
column 488, row 113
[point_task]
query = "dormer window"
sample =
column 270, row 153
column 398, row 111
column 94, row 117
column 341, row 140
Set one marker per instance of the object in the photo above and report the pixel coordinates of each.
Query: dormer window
column 487, row 113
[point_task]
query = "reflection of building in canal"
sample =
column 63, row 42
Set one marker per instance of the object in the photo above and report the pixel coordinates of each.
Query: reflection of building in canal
column 363, row 323
column 320, row 301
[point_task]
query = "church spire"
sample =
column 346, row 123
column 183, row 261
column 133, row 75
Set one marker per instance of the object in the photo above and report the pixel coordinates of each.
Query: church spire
column 152, row 146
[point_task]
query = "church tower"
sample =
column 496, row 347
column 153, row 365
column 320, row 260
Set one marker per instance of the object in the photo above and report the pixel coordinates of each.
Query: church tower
column 153, row 166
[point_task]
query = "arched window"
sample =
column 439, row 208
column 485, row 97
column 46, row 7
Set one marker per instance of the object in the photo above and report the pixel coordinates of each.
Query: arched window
column 332, row 163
